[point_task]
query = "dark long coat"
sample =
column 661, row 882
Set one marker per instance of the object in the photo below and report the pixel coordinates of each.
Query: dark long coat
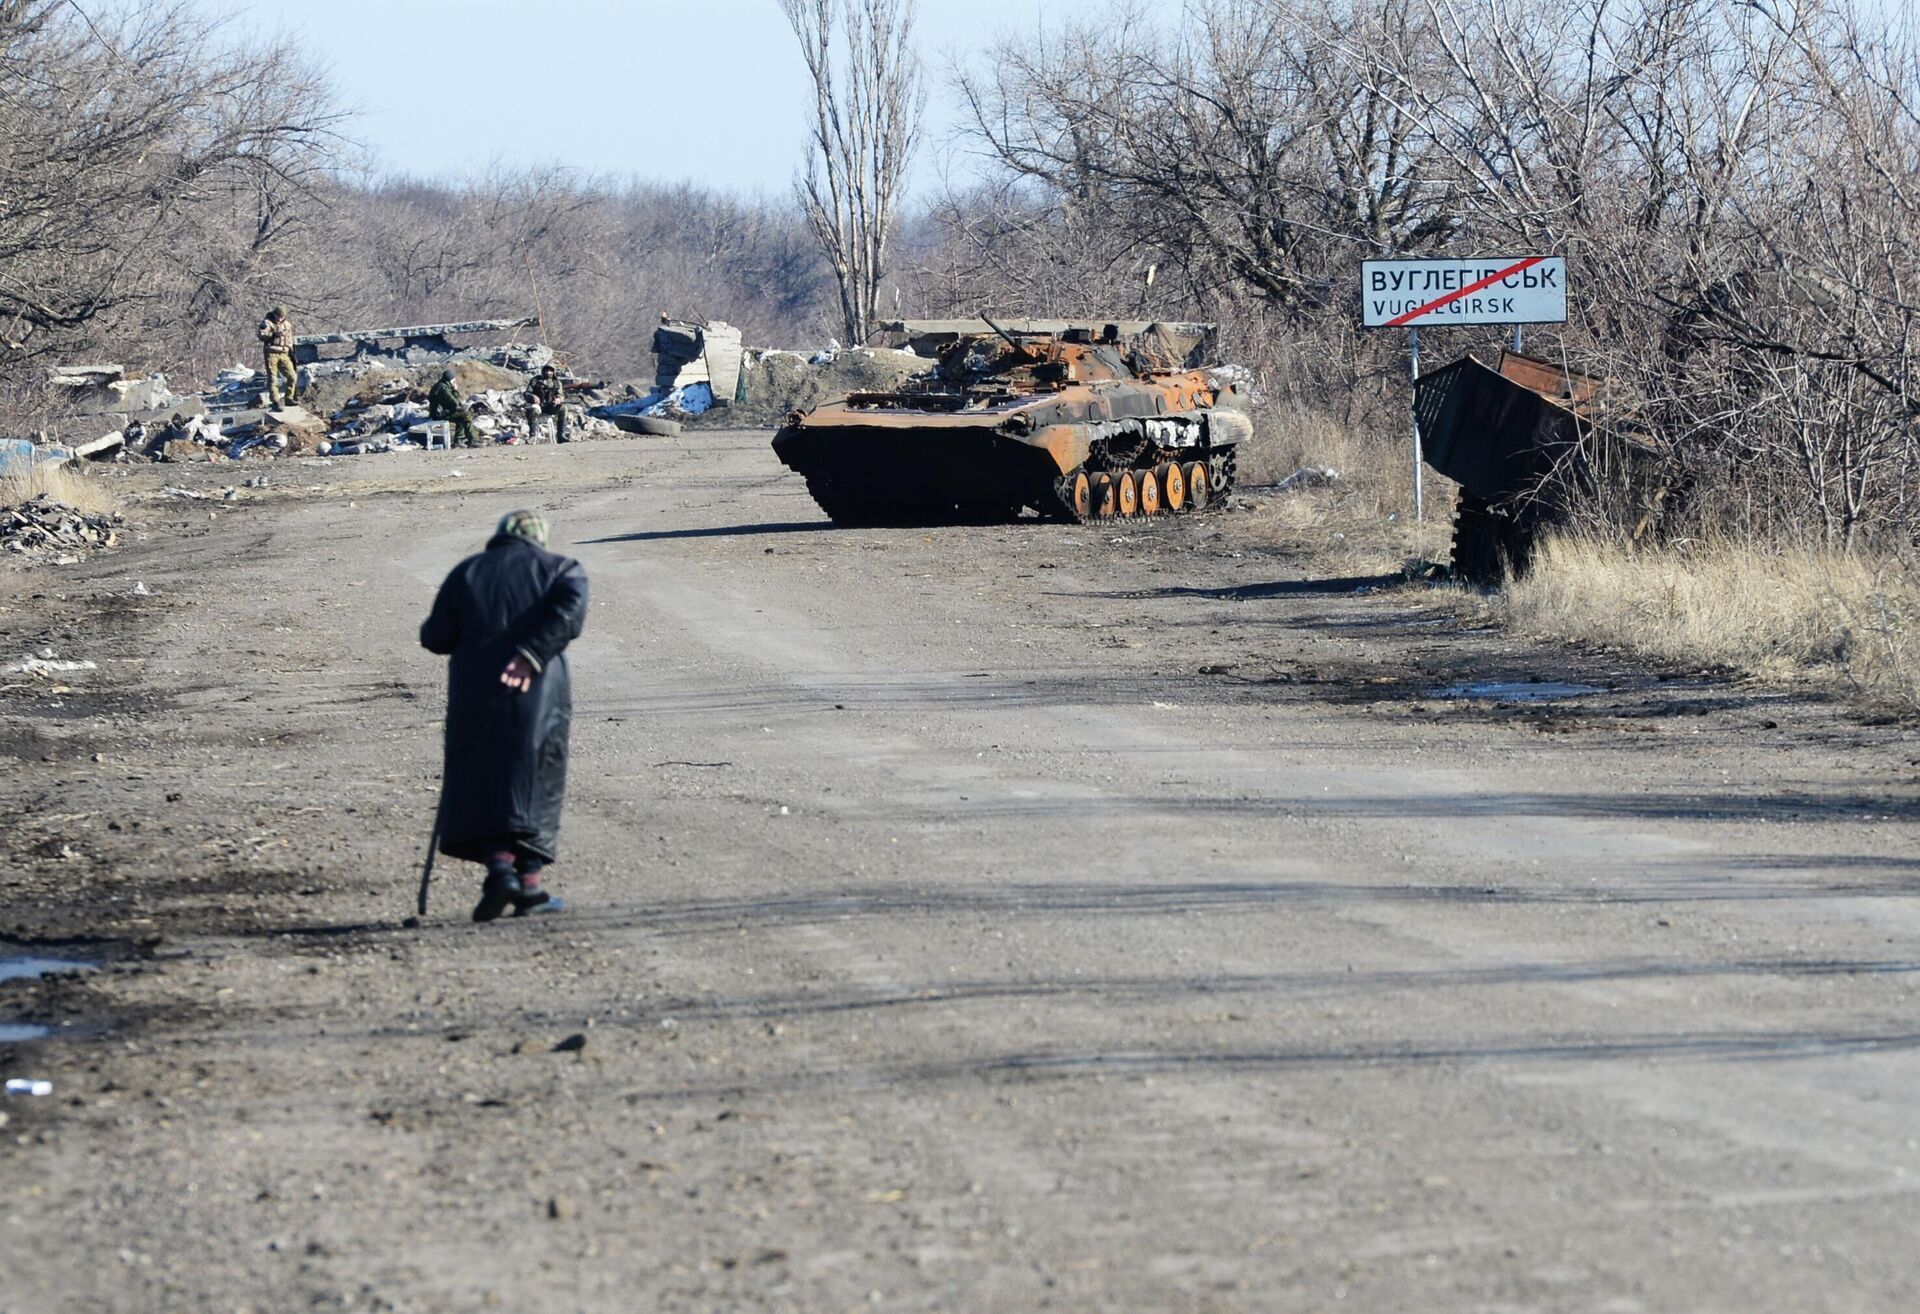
column 506, row 752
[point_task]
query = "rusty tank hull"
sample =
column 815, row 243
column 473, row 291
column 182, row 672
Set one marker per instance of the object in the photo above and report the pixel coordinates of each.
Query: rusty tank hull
column 1074, row 422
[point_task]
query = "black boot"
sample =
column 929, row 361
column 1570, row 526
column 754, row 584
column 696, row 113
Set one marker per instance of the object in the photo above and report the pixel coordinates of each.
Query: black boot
column 532, row 896
column 501, row 889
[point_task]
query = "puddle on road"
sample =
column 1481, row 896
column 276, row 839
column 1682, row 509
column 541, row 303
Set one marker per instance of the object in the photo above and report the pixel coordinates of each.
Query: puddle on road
column 1518, row 691
column 24, row 967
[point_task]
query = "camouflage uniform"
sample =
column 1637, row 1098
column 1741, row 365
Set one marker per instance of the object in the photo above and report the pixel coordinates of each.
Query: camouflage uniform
column 276, row 338
column 444, row 403
column 546, row 395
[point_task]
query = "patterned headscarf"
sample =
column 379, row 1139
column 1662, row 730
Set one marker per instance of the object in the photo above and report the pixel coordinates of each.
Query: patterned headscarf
column 524, row 524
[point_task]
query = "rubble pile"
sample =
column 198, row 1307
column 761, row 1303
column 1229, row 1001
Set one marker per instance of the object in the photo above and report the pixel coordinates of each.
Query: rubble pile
column 775, row 383
column 41, row 526
column 107, row 390
column 375, row 398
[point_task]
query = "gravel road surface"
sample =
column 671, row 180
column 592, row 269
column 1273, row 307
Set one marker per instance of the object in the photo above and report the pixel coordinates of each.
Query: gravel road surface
column 1010, row 918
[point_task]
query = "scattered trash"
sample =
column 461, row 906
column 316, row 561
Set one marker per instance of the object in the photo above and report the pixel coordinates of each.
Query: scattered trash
column 29, row 1086
column 364, row 391
column 47, row 664
column 45, row 526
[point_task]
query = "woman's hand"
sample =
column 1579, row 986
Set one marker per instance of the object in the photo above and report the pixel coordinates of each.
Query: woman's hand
column 519, row 674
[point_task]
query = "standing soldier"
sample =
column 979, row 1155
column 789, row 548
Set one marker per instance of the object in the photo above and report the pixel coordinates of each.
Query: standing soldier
column 444, row 403
column 546, row 395
column 276, row 337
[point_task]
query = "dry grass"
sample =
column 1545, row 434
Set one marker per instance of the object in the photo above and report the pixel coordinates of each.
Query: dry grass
column 1360, row 524
column 1778, row 614
column 64, row 484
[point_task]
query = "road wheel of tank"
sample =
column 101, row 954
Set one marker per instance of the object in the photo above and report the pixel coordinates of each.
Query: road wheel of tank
column 1080, row 495
column 1100, row 492
column 1149, row 493
column 1126, row 494
column 1173, row 485
column 1199, row 485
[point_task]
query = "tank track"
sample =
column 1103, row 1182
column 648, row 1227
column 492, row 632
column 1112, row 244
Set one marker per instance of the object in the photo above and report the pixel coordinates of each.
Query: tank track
column 1222, row 467
column 873, row 504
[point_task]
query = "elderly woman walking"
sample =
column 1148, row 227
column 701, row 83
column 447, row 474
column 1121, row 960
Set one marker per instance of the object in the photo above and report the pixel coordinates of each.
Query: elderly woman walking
column 505, row 618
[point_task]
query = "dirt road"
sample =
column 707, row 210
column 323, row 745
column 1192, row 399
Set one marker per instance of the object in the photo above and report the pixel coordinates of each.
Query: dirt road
column 986, row 919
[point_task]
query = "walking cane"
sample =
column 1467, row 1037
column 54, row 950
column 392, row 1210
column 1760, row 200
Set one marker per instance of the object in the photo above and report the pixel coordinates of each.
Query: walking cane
column 426, row 872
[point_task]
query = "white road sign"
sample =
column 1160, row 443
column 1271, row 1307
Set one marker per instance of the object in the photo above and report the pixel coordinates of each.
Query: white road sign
column 1491, row 290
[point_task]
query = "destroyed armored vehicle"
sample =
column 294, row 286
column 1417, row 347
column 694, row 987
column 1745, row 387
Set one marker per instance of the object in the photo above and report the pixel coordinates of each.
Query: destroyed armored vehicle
column 1074, row 420
column 1531, row 443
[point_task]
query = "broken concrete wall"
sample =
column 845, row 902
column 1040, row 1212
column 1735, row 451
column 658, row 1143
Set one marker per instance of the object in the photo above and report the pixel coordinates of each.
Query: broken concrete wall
column 689, row 353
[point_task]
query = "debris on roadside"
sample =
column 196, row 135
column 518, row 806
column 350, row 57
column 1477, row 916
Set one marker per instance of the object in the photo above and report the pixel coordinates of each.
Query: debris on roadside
column 48, row 664
column 705, row 378
column 106, row 390
column 18, row 455
column 1305, row 477
column 688, row 354
column 364, row 391
column 697, row 367
column 42, row 525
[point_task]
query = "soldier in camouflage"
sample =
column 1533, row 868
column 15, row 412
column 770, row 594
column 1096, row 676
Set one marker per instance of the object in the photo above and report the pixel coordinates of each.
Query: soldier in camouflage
column 444, row 403
column 546, row 395
column 276, row 339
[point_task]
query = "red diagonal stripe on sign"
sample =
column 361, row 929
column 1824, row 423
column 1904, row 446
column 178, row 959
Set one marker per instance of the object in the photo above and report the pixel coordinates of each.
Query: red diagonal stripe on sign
column 1470, row 288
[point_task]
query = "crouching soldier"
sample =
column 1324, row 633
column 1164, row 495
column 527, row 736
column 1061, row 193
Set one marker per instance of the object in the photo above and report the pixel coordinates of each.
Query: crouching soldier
column 276, row 340
column 505, row 618
column 443, row 403
column 546, row 395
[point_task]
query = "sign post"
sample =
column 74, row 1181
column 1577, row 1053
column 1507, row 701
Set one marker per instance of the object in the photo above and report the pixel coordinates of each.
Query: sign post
column 1419, row 457
column 1408, row 294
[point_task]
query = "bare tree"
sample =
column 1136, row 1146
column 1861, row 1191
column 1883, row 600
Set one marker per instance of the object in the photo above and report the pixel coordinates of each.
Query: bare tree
column 868, row 101
column 1245, row 147
column 1736, row 188
column 126, row 138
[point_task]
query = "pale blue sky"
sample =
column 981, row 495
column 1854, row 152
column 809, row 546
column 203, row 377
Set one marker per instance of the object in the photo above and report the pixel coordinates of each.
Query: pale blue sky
column 709, row 90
